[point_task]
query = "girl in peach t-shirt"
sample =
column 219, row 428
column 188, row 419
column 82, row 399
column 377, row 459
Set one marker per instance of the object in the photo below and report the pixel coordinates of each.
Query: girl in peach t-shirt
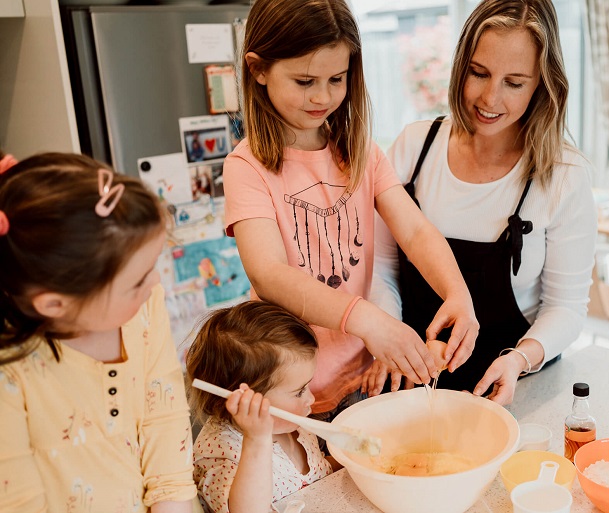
column 301, row 193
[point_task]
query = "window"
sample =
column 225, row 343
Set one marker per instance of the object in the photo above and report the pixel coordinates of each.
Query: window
column 407, row 48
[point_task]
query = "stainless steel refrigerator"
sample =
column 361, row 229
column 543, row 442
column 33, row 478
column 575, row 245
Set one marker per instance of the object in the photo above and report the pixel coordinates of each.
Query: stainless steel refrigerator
column 131, row 76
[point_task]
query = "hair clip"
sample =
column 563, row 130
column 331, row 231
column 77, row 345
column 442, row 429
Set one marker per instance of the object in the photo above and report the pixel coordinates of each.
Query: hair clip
column 109, row 195
column 3, row 224
column 6, row 163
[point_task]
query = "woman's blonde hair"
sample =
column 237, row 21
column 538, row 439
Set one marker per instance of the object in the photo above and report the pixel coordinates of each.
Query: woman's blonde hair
column 286, row 29
column 248, row 343
column 544, row 122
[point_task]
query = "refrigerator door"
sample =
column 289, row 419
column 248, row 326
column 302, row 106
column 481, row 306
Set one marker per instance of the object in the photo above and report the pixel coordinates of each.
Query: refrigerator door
column 147, row 82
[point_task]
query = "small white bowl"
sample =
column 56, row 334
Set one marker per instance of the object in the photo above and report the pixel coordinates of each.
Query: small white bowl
column 534, row 437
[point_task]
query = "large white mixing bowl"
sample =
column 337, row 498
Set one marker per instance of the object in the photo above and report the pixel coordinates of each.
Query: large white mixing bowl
column 465, row 424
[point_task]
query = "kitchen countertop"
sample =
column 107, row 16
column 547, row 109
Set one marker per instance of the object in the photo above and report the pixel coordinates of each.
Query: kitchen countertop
column 542, row 398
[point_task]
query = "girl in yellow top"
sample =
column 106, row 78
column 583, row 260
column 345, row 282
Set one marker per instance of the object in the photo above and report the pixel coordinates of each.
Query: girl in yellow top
column 92, row 402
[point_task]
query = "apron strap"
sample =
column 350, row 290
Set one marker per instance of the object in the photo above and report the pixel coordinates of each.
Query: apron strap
column 516, row 229
column 431, row 135
column 516, row 226
column 523, row 196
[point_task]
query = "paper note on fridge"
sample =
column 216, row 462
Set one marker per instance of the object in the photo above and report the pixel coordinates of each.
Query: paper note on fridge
column 168, row 176
column 210, row 42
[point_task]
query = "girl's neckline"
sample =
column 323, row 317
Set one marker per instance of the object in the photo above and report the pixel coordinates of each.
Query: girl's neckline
column 307, row 140
column 97, row 347
column 302, row 150
column 297, row 437
column 295, row 443
column 308, row 155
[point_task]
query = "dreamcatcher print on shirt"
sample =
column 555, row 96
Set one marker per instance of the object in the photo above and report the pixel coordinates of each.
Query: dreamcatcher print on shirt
column 337, row 213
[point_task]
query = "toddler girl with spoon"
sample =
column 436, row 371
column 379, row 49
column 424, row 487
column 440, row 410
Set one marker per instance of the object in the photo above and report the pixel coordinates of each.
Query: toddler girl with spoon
column 245, row 459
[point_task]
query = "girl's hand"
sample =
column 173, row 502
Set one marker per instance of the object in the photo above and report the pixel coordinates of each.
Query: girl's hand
column 503, row 375
column 250, row 411
column 458, row 313
column 252, row 487
column 375, row 377
column 393, row 343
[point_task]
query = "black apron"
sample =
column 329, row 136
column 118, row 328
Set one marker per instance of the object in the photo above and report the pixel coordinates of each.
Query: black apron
column 487, row 271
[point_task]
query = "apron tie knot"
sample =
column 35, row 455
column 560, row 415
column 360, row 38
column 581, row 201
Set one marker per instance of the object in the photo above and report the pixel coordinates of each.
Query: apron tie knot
column 516, row 229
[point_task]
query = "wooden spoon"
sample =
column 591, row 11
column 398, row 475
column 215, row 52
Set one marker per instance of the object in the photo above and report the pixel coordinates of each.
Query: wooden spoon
column 349, row 439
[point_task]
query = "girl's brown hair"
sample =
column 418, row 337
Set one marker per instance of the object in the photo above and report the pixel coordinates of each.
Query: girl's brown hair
column 56, row 242
column 247, row 343
column 286, row 29
column 544, row 122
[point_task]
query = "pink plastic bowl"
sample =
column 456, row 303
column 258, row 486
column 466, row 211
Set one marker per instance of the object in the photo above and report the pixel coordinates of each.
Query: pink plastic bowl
column 586, row 455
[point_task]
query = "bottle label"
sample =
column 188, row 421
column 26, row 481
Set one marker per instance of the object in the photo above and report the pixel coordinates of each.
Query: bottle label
column 575, row 439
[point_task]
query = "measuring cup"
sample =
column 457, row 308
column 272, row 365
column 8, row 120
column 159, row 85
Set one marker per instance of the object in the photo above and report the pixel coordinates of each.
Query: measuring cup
column 542, row 495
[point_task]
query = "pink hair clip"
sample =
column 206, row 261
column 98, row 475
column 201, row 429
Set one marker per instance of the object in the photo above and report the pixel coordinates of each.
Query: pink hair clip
column 6, row 163
column 109, row 195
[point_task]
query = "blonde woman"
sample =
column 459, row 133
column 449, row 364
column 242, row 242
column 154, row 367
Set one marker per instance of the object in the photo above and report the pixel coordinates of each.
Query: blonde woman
column 510, row 194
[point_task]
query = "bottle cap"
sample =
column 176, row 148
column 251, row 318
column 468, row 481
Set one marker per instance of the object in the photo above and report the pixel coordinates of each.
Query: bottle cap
column 581, row 389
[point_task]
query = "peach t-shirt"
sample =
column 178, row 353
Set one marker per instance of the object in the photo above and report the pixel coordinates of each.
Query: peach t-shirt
column 327, row 233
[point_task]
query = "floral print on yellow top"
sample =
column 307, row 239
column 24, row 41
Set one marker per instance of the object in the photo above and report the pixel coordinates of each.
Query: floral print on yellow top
column 83, row 436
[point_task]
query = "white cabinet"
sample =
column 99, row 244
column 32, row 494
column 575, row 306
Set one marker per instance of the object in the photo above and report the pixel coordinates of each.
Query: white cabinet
column 11, row 9
column 36, row 107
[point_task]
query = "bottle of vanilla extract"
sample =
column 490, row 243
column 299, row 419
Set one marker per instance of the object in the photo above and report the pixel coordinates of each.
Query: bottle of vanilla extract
column 580, row 426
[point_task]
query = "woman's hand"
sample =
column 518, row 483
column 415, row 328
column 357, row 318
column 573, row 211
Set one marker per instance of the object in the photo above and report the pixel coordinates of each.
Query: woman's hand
column 505, row 370
column 250, row 411
column 458, row 313
column 502, row 375
column 376, row 375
